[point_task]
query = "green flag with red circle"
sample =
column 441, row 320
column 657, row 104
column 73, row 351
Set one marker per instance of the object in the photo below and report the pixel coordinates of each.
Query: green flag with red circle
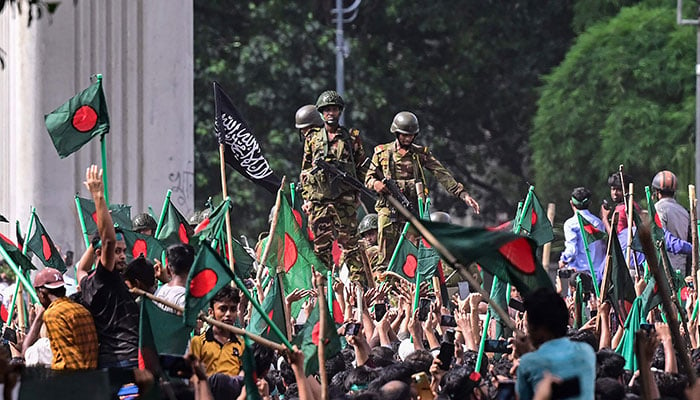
column 78, row 120
column 512, row 258
column 41, row 244
column 138, row 244
column 15, row 253
column 273, row 305
column 121, row 214
column 535, row 222
column 208, row 275
column 309, row 338
column 175, row 228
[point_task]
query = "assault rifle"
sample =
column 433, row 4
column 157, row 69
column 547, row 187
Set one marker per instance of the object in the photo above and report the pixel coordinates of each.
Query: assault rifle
column 338, row 173
column 398, row 195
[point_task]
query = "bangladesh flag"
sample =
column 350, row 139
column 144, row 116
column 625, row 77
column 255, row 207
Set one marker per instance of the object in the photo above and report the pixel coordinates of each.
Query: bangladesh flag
column 535, row 222
column 160, row 332
column 590, row 233
column 251, row 375
column 620, row 284
column 15, row 253
column 138, row 244
column 41, row 244
column 295, row 201
column 121, row 215
column 175, row 228
column 409, row 259
column 291, row 253
column 273, row 304
column 78, row 120
column 506, row 255
column 215, row 222
column 309, row 337
column 208, row 275
column 641, row 306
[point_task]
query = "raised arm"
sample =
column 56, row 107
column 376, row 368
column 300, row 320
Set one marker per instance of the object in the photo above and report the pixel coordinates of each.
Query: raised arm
column 105, row 226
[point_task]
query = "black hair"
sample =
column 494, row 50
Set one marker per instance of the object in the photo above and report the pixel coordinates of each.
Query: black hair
column 585, row 336
column 58, row 292
column 609, row 389
column 335, row 364
column 581, row 198
column 502, row 367
column 381, row 357
column 180, row 258
column 419, row 361
column 394, row 372
column 614, row 180
column 338, row 380
column 360, row 376
column 227, row 293
column 671, row 384
column 264, row 357
column 609, row 364
column 140, row 269
column 456, row 383
column 274, row 378
column 546, row 309
column 469, row 360
column 287, row 373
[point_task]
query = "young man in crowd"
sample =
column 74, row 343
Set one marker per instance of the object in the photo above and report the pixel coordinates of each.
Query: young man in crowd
column 180, row 258
column 218, row 349
column 574, row 254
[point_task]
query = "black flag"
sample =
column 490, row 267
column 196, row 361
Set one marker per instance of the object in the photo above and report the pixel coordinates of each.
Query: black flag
column 242, row 151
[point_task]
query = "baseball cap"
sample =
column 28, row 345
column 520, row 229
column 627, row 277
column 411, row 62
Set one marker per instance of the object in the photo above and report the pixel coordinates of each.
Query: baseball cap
column 49, row 278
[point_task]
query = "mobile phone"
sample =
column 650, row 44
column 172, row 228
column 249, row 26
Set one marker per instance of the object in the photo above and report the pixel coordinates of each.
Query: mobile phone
column 516, row 304
column 352, row 329
column 10, row 335
column 506, row 390
column 423, row 309
column 594, row 313
column 449, row 335
column 447, row 352
column 447, row 320
column 606, row 205
column 69, row 258
column 298, row 328
column 463, row 290
column 565, row 273
column 496, row 346
column 379, row 311
column 648, row 328
column 567, row 388
column 422, row 385
column 176, row 366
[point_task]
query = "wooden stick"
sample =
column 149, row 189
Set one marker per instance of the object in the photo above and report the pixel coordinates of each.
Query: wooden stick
column 693, row 230
column 452, row 260
column 644, row 373
column 20, row 309
column 630, row 210
column 606, row 272
column 671, row 315
column 224, row 193
column 213, row 322
column 546, row 249
column 273, row 226
column 321, row 302
column 365, row 265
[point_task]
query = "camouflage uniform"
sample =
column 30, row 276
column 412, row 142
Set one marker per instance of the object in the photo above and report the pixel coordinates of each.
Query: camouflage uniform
column 334, row 204
column 406, row 170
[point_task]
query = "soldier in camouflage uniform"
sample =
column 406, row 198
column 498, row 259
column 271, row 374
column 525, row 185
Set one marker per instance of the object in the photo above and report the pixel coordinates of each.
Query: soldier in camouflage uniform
column 404, row 162
column 368, row 231
column 331, row 204
column 307, row 119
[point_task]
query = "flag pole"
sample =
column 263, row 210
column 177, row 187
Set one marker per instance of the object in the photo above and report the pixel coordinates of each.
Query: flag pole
column 671, row 315
column 19, row 274
column 83, row 227
column 584, row 236
column 224, row 193
column 103, row 151
column 212, row 321
column 163, row 212
column 606, row 271
column 273, row 226
column 693, row 201
column 329, row 295
column 287, row 308
column 630, row 210
column 322, row 337
column 398, row 244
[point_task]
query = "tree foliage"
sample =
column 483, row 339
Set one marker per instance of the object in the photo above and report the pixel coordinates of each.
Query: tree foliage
column 469, row 69
column 624, row 94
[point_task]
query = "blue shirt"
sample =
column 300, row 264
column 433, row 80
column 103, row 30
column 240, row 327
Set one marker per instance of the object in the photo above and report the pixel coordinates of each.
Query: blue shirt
column 574, row 253
column 563, row 358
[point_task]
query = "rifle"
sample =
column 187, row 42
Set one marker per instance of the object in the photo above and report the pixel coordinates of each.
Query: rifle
column 398, row 195
column 336, row 172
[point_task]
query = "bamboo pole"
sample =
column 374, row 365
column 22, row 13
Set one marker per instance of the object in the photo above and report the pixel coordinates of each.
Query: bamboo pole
column 606, row 272
column 224, row 193
column 693, row 201
column 630, row 211
column 273, row 226
column 213, row 322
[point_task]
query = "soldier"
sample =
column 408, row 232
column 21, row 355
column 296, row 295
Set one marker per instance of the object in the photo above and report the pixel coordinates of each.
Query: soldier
column 145, row 224
column 368, row 230
column 332, row 204
column 306, row 119
column 404, row 162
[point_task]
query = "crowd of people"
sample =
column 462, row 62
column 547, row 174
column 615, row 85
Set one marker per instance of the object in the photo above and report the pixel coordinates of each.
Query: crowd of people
column 397, row 341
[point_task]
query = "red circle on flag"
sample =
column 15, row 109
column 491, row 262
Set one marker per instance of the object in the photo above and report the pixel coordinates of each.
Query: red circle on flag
column 337, row 312
column 426, row 244
column 290, row 252
column 3, row 313
column 534, row 218
column 84, row 119
column 589, row 229
column 94, row 216
column 657, row 220
column 297, row 216
column 315, row 333
column 519, row 253
column 182, row 233
column 410, row 265
column 200, row 227
column 203, row 282
column 45, row 247
column 140, row 247
column 310, row 233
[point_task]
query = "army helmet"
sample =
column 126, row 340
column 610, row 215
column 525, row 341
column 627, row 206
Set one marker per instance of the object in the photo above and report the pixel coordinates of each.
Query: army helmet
column 144, row 221
column 368, row 223
column 329, row 98
column 405, row 122
column 307, row 116
column 440, row 216
column 665, row 181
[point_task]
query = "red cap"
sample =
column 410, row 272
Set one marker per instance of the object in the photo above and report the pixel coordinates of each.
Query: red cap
column 49, row 278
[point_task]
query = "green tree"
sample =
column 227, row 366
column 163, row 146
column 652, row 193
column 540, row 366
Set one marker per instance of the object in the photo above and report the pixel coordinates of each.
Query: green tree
column 623, row 95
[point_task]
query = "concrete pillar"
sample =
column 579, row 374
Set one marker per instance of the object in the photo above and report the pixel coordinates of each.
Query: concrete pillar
column 144, row 51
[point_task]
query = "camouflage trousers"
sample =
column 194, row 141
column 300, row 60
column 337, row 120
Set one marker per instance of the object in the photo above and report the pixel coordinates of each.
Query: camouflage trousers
column 337, row 219
column 388, row 235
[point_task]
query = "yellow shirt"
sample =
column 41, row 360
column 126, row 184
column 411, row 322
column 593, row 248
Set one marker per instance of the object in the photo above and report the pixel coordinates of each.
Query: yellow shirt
column 218, row 357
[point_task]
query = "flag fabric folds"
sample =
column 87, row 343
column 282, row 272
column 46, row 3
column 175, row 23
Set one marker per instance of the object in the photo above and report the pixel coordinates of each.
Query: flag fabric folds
column 535, row 222
column 175, row 228
column 41, row 244
column 308, row 338
column 138, row 244
column 160, row 332
column 208, row 275
column 250, row 377
column 15, row 254
column 78, row 120
column 620, row 284
column 273, row 305
column 242, row 151
column 121, row 215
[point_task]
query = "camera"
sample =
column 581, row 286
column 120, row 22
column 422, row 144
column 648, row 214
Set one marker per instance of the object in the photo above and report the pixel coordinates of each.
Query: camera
column 352, row 329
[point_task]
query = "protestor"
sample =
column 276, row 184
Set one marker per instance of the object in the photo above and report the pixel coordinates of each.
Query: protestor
column 69, row 325
column 179, row 262
column 140, row 273
column 574, row 254
column 103, row 290
column 331, row 204
column 403, row 162
column 220, row 350
column 674, row 218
